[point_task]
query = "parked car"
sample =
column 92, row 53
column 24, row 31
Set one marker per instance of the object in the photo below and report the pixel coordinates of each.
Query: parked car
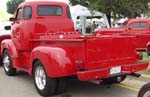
column 44, row 44
column 140, row 28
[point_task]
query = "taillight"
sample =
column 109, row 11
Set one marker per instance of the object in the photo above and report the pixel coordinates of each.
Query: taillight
column 139, row 56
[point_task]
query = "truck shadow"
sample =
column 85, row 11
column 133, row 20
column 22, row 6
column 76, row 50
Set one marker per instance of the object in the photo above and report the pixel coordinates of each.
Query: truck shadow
column 86, row 89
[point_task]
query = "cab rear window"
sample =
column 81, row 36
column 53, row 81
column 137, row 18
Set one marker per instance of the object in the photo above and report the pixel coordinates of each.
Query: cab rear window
column 47, row 10
column 139, row 25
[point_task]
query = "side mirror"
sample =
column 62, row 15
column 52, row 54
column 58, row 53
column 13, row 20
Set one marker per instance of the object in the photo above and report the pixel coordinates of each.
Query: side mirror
column 7, row 27
column 11, row 19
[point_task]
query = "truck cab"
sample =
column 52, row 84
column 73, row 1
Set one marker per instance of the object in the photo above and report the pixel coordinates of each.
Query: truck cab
column 45, row 45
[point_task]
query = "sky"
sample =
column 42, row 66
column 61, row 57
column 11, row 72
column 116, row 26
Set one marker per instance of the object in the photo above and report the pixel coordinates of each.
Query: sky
column 3, row 3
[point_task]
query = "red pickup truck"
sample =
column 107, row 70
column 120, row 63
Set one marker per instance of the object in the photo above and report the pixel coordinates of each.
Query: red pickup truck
column 45, row 45
column 140, row 28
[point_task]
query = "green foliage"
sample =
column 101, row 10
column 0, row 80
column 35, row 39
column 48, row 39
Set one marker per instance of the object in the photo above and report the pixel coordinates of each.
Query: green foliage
column 131, row 8
column 124, row 8
column 12, row 5
column 74, row 2
column 117, row 8
column 145, row 57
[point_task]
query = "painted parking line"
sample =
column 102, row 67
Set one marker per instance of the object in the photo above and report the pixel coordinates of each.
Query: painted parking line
column 127, row 87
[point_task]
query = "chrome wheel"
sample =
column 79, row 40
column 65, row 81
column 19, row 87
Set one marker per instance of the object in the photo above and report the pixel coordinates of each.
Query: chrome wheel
column 45, row 85
column 40, row 77
column 147, row 94
column 6, row 63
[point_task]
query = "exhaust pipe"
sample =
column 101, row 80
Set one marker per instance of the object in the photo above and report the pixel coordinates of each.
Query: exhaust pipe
column 83, row 24
column 135, row 75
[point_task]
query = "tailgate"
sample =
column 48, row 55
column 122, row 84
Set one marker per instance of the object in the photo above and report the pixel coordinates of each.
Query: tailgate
column 110, row 51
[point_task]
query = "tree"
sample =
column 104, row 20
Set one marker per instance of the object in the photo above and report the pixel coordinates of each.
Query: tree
column 117, row 8
column 131, row 8
column 12, row 5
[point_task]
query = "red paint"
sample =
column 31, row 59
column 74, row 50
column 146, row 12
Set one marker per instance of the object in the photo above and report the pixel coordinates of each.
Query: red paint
column 142, row 34
column 64, row 52
column 2, row 37
column 104, row 72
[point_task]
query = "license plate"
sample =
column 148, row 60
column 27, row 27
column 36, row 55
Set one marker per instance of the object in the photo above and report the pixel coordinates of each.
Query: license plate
column 115, row 70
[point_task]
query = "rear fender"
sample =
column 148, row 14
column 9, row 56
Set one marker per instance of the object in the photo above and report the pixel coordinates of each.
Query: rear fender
column 55, row 61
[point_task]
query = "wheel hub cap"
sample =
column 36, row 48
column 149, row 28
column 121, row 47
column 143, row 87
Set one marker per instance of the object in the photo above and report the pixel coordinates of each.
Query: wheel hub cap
column 147, row 94
column 6, row 63
column 40, row 77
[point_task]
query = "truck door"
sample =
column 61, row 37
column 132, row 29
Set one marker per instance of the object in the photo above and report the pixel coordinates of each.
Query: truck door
column 21, row 35
column 17, row 29
column 140, row 30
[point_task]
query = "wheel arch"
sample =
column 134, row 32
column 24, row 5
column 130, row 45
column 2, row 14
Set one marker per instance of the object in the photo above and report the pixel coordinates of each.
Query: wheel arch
column 4, row 50
column 54, row 61
column 33, row 65
column 148, row 49
column 9, row 45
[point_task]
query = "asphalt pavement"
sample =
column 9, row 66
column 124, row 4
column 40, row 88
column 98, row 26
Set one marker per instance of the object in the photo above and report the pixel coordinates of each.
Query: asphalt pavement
column 22, row 85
